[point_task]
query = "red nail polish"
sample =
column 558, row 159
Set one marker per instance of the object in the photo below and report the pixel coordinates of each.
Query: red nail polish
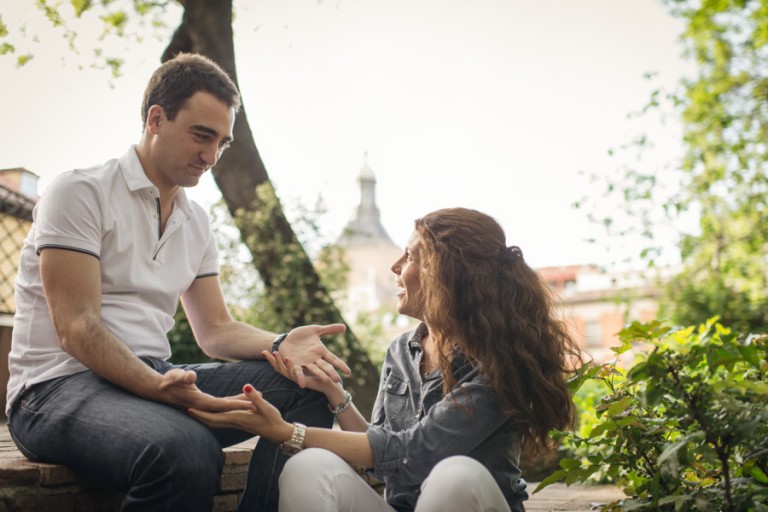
column 248, row 388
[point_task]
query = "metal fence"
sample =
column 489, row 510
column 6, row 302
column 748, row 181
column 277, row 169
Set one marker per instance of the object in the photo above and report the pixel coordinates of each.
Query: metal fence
column 15, row 221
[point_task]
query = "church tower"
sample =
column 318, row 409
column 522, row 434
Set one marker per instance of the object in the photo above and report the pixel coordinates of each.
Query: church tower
column 365, row 225
column 369, row 252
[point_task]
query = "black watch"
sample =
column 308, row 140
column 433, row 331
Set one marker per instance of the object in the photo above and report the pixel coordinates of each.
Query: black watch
column 276, row 344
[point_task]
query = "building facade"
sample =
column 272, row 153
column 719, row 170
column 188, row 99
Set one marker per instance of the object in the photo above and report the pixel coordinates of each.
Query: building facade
column 597, row 304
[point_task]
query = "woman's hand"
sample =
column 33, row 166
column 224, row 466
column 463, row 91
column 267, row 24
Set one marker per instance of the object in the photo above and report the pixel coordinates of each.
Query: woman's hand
column 263, row 419
column 333, row 391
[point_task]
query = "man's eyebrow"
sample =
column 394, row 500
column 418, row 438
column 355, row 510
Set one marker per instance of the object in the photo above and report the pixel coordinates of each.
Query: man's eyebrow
column 210, row 131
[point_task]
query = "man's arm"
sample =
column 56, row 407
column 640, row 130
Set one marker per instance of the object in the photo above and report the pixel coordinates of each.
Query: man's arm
column 220, row 336
column 72, row 285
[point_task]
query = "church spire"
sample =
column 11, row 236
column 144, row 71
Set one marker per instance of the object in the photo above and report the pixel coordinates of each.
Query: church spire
column 365, row 226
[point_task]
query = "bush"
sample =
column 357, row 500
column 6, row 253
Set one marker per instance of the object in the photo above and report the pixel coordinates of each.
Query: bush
column 685, row 428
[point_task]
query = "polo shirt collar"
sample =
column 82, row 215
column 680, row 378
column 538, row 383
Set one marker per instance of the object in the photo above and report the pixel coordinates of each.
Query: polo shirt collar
column 136, row 179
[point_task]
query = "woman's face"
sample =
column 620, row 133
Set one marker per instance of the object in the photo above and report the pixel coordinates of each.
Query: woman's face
column 410, row 300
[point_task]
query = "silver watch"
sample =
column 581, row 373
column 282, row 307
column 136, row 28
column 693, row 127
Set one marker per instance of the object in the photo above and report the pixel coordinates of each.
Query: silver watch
column 296, row 443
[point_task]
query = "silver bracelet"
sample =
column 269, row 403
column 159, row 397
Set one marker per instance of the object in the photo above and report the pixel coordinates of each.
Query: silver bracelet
column 343, row 406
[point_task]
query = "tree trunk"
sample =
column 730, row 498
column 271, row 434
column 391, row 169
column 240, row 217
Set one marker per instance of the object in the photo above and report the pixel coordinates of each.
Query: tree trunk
column 294, row 286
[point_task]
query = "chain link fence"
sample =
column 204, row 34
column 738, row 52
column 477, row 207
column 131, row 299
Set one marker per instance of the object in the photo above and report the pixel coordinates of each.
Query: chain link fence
column 15, row 221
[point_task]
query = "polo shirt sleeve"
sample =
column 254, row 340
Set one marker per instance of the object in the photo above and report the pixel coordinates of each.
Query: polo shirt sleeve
column 209, row 266
column 70, row 215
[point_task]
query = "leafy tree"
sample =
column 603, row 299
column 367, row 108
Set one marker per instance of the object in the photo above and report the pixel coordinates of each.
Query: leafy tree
column 297, row 294
column 721, row 181
column 725, row 114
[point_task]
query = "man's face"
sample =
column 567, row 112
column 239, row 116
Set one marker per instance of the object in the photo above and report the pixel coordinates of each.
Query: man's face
column 192, row 143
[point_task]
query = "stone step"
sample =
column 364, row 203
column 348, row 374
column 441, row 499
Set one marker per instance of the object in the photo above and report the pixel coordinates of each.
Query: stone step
column 27, row 486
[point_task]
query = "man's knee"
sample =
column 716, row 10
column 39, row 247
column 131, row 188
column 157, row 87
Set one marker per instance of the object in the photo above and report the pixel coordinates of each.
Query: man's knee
column 192, row 454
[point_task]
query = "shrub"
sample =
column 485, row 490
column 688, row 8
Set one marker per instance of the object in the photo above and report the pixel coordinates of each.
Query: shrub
column 685, row 428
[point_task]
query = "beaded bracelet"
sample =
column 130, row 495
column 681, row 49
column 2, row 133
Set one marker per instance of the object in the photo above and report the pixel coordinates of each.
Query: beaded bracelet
column 343, row 406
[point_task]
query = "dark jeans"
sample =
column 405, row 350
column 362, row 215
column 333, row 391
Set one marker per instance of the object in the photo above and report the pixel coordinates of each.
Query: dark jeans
column 162, row 458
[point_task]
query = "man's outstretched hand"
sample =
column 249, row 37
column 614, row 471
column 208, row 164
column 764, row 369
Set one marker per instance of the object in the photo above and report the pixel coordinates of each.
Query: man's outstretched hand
column 307, row 353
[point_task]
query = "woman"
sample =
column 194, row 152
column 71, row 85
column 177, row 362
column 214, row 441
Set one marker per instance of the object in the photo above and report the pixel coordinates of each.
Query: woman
column 481, row 379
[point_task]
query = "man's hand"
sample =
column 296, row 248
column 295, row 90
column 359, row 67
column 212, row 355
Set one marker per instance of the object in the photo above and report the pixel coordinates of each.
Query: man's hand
column 177, row 387
column 332, row 390
column 307, row 353
column 262, row 418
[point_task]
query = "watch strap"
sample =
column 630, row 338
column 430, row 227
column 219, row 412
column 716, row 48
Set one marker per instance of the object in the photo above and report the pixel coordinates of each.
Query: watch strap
column 276, row 344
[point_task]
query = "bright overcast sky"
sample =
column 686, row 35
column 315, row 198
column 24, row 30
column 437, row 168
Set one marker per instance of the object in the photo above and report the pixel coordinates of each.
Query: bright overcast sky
column 489, row 104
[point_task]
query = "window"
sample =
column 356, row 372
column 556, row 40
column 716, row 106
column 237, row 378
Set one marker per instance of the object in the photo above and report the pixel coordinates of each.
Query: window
column 593, row 334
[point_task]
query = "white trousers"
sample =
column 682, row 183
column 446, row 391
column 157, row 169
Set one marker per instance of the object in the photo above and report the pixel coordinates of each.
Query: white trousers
column 318, row 480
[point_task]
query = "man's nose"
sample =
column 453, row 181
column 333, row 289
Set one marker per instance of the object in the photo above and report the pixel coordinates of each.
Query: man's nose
column 210, row 154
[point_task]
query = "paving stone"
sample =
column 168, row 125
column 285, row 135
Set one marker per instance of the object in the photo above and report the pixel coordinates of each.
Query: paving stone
column 27, row 486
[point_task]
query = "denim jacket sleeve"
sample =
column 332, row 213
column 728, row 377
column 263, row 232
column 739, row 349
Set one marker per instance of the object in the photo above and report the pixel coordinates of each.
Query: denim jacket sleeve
column 457, row 424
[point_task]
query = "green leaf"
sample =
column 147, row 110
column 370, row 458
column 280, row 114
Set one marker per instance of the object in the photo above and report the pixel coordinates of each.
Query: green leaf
column 605, row 426
column 718, row 357
column 671, row 450
column 21, row 60
column 639, row 372
column 555, row 477
column 750, row 354
column 619, row 406
column 675, row 500
column 759, row 475
column 80, row 6
column 570, row 463
column 586, row 372
column 116, row 19
column 653, row 395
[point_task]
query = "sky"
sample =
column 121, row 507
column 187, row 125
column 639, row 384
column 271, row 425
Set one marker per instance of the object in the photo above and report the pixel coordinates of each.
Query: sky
column 498, row 105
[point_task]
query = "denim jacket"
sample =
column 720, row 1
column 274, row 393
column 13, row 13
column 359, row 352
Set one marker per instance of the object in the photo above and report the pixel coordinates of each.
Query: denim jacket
column 413, row 426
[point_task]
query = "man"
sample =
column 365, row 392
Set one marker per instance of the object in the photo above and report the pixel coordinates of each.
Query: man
column 111, row 251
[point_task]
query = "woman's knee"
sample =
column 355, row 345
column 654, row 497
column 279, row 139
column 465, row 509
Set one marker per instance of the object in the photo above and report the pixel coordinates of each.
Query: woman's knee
column 459, row 469
column 460, row 483
column 310, row 467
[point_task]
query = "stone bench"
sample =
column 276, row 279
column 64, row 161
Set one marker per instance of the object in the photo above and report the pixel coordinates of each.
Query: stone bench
column 27, row 486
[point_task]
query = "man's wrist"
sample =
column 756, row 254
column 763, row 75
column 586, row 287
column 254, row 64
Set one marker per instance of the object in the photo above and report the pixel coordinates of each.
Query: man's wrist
column 276, row 344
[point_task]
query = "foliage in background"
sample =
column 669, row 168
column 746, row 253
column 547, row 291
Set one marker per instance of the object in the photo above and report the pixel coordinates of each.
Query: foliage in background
column 725, row 115
column 122, row 23
column 684, row 429
column 721, row 181
column 246, row 296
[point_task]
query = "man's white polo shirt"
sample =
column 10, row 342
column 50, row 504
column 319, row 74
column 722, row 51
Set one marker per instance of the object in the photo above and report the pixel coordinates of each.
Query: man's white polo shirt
column 110, row 212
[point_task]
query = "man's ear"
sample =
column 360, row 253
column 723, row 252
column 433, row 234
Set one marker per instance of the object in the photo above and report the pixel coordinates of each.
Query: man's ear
column 155, row 117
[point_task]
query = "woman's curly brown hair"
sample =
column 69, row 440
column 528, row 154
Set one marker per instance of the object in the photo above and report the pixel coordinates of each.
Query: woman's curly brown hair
column 483, row 300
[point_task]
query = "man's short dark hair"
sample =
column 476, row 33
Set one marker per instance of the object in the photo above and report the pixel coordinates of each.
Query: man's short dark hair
column 178, row 79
